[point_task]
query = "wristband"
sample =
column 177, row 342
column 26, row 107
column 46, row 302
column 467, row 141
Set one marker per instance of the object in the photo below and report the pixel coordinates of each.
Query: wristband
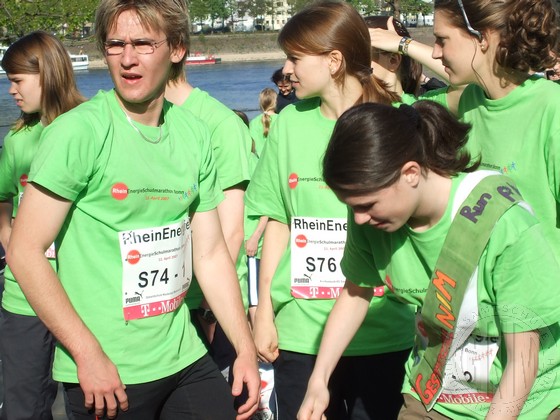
column 403, row 45
column 207, row 315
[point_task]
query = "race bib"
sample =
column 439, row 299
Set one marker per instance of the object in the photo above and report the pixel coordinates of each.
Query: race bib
column 467, row 374
column 317, row 246
column 157, row 269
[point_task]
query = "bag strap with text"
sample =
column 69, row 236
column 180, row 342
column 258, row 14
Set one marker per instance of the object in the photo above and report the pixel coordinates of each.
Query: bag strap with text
column 464, row 244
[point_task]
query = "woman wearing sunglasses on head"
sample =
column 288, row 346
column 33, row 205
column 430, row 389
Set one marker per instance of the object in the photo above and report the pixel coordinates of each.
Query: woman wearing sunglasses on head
column 494, row 47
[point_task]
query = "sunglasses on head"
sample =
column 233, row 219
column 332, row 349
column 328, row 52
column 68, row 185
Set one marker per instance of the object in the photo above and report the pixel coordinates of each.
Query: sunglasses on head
column 468, row 23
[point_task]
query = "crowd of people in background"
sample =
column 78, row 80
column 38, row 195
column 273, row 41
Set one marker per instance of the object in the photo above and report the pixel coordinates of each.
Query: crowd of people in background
column 374, row 244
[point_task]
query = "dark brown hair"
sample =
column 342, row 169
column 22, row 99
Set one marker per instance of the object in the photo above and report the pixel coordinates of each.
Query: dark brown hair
column 371, row 143
column 528, row 29
column 329, row 25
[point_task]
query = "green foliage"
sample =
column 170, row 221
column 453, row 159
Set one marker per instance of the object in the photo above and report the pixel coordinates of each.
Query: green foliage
column 217, row 10
column 367, row 7
column 416, row 7
column 198, row 10
column 60, row 17
column 297, row 5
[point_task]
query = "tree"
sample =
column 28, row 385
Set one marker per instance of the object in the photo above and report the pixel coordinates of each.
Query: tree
column 61, row 17
column 217, row 10
column 297, row 5
column 259, row 9
column 366, row 7
column 198, row 11
column 416, row 7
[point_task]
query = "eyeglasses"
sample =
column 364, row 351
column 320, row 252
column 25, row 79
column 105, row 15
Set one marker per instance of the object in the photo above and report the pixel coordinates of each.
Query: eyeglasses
column 141, row 46
column 469, row 27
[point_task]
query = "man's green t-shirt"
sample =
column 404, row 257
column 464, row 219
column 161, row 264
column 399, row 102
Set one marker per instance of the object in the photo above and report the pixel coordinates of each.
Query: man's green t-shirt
column 231, row 147
column 517, row 290
column 119, row 182
column 288, row 183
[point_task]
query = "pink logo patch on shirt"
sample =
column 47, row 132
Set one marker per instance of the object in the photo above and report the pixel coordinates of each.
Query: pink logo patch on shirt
column 119, row 191
column 293, row 181
column 301, row 241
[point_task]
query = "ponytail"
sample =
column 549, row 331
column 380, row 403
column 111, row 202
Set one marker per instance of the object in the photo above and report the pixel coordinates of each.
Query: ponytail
column 265, row 119
column 267, row 103
column 376, row 90
column 371, row 142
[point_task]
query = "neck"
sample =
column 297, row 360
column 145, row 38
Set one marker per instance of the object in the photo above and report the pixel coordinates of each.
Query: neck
column 500, row 84
column 146, row 113
column 434, row 196
column 178, row 91
column 496, row 81
column 393, row 83
column 338, row 98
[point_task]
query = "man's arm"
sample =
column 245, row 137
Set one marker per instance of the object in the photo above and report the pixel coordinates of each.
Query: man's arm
column 217, row 277
column 231, row 211
column 39, row 220
column 276, row 239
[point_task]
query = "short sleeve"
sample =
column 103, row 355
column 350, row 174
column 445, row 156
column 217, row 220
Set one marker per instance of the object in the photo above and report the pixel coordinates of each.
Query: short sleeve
column 358, row 264
column 264, row 195
column 524, row 277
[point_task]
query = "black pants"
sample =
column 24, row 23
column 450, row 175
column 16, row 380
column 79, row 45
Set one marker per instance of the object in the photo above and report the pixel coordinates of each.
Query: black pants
column 361, row 387
column 197, row 392
column 27, row 349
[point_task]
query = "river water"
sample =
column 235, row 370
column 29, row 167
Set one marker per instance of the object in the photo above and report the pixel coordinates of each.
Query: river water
column 237, row 85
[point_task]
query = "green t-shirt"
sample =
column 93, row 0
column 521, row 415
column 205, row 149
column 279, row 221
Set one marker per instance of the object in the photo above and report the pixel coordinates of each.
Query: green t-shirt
column 437, row 95
column 256, row 128
column 515, row 291
column 519, row 135
column 118, row 182
column 231, row 147
column 288, row 182
column 19, row 149
column 408, row 98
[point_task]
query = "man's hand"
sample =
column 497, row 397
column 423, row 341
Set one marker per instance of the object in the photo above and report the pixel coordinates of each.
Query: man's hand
column 102, row 386
column 246, row 371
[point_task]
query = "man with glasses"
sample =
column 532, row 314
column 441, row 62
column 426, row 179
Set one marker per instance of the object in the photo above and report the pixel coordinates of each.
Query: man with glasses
column 126, row 185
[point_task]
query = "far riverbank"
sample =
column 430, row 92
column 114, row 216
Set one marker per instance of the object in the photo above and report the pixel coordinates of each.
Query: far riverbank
column 234, row 47
column 98, row 63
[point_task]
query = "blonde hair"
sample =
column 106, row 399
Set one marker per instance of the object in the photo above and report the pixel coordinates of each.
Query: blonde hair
column 267, row 103
column 168, row 16
column 43, row 54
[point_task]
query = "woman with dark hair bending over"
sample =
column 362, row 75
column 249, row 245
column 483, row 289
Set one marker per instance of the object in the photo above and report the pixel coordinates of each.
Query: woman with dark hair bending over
column 463, row 247
column 329, row 62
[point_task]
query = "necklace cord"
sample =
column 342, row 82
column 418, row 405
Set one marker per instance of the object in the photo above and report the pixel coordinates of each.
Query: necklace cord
column 141, row 134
